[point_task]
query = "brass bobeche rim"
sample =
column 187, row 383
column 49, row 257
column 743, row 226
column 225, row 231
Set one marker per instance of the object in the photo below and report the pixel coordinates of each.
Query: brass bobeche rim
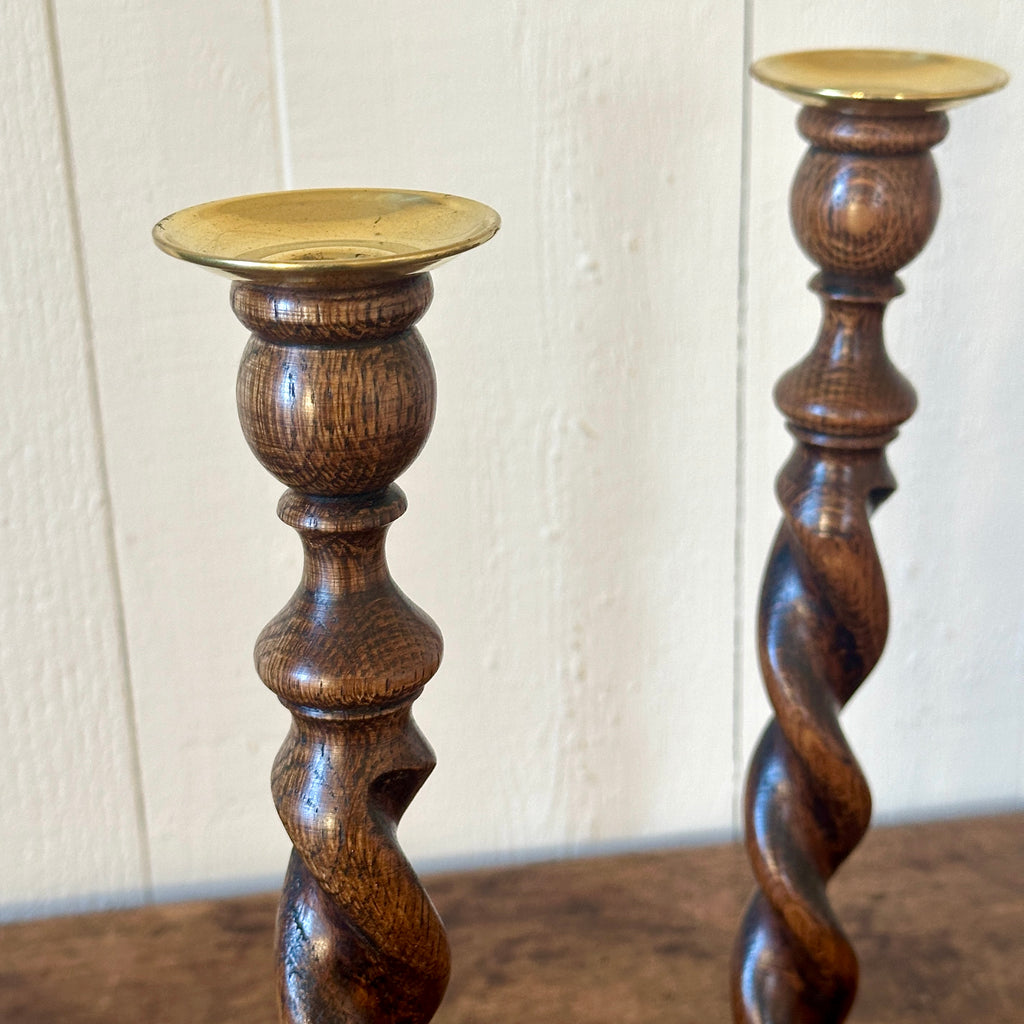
column 317, row 237
column 900, row 78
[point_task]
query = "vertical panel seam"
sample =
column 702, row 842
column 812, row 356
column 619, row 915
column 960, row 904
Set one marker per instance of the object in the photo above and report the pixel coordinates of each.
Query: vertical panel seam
column 96, row 414
column 279, row 97
column 742, row 326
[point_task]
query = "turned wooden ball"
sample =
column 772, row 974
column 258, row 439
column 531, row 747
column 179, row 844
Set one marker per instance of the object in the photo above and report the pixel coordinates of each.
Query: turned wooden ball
column 866, row 196
column 336, row 393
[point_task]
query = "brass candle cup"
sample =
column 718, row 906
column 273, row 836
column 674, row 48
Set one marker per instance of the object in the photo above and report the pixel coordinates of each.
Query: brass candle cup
column 893, row 81
column 327, row 237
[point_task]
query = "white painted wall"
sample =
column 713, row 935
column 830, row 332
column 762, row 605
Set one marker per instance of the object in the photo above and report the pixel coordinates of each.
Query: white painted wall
column 589, row 519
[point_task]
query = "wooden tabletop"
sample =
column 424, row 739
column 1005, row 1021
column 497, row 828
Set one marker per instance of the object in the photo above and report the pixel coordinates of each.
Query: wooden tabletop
column 935, row 911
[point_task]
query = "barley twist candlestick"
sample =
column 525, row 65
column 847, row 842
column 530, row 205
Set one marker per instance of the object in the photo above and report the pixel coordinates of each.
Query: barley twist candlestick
column 863, row 205
column 336, row 398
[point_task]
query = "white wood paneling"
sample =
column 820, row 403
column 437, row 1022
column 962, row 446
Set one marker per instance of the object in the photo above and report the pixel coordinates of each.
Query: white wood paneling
column 70, row 815
column 168, row 105
column 570, row 525
column 939, row 726
column 573, row 517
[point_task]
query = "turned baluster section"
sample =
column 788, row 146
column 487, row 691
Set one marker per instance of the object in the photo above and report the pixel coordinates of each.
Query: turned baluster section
column 864, row 202
column 336, row 398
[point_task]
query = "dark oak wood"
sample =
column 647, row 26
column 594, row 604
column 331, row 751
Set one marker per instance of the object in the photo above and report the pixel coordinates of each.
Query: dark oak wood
column 936, row 912
column 336, row 397
column 864, row 203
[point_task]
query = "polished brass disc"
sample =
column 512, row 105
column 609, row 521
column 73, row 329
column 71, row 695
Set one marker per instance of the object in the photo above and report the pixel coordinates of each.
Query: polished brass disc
column 897, row 78
column 319, row 236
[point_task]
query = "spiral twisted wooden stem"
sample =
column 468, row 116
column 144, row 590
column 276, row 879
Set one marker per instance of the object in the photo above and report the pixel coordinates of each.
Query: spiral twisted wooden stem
column 864, row 203
column 336, row 398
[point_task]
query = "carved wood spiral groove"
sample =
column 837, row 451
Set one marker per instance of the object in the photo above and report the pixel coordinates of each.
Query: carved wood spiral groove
column 864, row 203
column 336, row 398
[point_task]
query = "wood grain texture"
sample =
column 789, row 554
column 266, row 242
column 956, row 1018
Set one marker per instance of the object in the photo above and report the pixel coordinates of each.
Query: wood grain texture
column 640, row 939
column 336, row 396
column 863, row 204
